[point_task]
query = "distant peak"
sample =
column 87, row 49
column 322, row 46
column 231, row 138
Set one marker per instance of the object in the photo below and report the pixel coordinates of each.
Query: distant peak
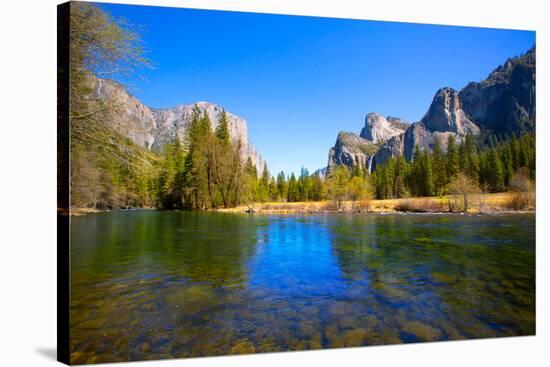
column 378, row 129
column 204, row 103
column 446, row 91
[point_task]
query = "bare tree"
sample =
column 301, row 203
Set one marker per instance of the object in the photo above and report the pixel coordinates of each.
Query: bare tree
column 461, row 188
column 523, row 190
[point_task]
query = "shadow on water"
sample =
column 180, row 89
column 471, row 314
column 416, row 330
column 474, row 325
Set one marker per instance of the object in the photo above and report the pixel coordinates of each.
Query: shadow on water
column 153, row 284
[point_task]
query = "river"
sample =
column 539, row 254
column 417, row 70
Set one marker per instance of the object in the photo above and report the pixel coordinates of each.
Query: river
column 158, row 284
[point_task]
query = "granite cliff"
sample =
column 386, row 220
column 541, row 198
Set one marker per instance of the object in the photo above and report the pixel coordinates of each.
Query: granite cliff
column 153, row 128
column 503, row 104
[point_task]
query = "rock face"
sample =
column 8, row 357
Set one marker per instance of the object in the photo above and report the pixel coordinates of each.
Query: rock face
column 321, row 172
column 172, row 122
column 131, row 118
column 350, row 149
column 445, row 114
column 154, row 128
column 505, row 102
column 445, row 117
column 404, row 144
column 378, row 129
column 502, row 104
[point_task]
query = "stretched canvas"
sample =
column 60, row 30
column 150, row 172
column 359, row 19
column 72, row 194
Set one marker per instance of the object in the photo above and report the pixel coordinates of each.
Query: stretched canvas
column 234, row 183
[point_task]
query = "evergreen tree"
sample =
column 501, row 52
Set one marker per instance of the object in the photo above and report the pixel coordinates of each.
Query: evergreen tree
column 495, row 176
column 316, row 187
column 416, row 174
column 304, row 185
column 427, row 175
column 273, row 195
column 282, row 187
column 507, row 164
column 292, row 194
column 264, row 185
column 400, row 172
column 452, row 157
column 439, row 169
column 222, row 130
column 470, row 162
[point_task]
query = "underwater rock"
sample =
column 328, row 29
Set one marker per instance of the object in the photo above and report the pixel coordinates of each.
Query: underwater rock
column 243, row 347
column 422, row 331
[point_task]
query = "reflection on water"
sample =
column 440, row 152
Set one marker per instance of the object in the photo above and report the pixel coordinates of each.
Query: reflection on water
column 153, row 284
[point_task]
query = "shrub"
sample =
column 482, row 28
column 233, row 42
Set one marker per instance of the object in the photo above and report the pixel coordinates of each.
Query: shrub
column 461, row 188
column 523, row 190
column 521, row 201
column 419, row 206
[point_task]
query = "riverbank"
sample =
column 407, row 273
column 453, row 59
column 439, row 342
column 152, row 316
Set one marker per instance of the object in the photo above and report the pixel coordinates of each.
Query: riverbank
column 479, row 204
column 498, row 203
column 76, row 212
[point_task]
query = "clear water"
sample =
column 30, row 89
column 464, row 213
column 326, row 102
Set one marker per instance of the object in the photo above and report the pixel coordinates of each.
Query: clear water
column 157, row 284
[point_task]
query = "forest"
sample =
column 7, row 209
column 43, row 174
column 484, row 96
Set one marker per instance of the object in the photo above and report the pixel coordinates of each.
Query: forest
column 203, row 169
column 490, row 167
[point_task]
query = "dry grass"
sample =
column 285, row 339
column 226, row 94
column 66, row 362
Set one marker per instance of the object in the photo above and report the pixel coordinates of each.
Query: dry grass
column 83, row 211
column 420, row 205
column 481, row 203
column 521, row 201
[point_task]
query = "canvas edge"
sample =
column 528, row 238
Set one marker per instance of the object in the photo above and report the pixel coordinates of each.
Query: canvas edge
column 63, row 184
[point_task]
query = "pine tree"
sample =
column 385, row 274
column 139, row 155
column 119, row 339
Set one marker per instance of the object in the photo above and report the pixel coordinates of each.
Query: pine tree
column 222, row 130
column 292, row 194
column 282, row 187
column 514, row 146
column 427, row 175
column 272, row 189
column 401, row 171
column 439, row 170
column 304, row 185
column 316, row 187
column 264, row 185
column 471, row 159
column 416, row 174
column 507, row 164
column 495, row 176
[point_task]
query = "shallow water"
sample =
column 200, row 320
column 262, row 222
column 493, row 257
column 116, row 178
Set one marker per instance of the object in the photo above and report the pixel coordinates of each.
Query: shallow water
column 157, row 284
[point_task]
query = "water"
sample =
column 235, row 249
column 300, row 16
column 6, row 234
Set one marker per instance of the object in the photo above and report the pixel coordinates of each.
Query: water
column 155, row 284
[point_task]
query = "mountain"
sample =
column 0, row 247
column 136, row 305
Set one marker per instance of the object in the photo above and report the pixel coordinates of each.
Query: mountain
column 153, row 128
column 378, row 128
column 351, row 149
column 321, row 172
column 445, row 117
column 502, row 104
column 172, row 121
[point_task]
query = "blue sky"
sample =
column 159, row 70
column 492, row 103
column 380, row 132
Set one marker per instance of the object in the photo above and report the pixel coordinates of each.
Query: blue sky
column 299, row 80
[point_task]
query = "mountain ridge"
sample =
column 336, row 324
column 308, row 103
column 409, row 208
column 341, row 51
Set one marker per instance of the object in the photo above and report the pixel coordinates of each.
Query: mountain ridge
column 503, row 104
column 152, row 128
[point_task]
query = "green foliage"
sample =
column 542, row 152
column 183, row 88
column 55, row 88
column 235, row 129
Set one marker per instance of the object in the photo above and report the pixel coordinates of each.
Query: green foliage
column 222, row 130
column 430, row 173
column 203, row 169
column 209, row 172
column 337, row 185
column 359, row 189
column 282, row 187
column 293, row 193
column 107, row 169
